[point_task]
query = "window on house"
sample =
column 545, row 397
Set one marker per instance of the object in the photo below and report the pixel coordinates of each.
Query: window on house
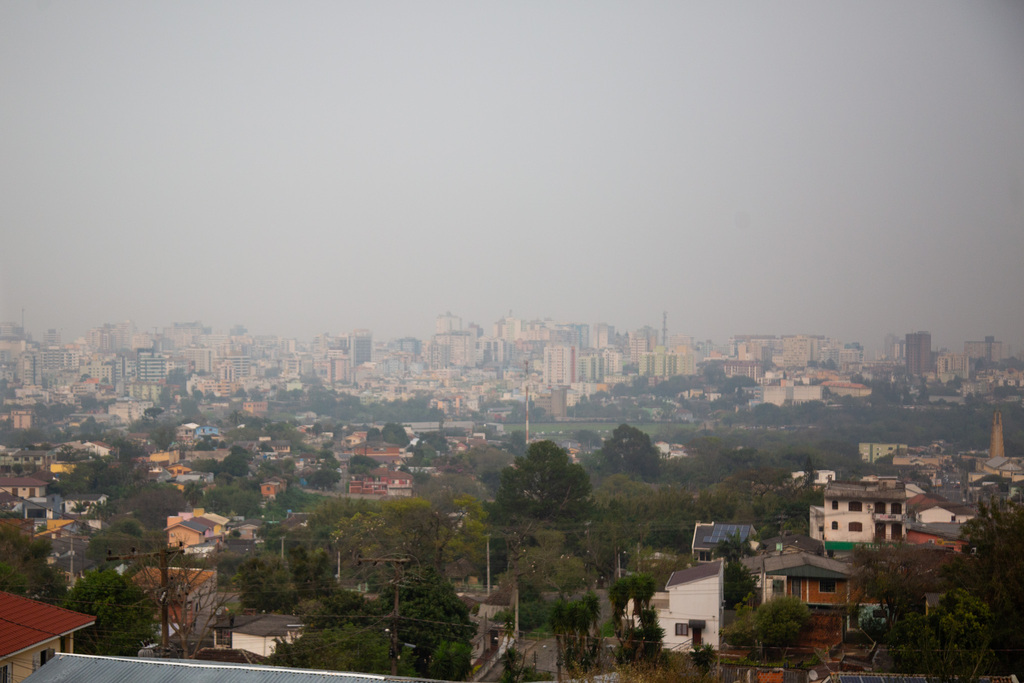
column 835, row 504
column 682, row 629
column 856, row 526
column 827, row 586
column 778, row 586
column 855, row 506
column 835, row 526
column 880, row 508
column 896, row 509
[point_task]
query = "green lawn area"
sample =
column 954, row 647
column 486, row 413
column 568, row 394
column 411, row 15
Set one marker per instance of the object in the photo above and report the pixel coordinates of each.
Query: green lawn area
column 566, row 429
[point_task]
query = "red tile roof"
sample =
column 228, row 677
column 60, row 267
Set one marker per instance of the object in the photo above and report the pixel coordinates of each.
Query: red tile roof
column 24, row 623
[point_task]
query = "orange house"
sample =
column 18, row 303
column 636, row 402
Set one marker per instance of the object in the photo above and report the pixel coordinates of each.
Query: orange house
column 273, row 486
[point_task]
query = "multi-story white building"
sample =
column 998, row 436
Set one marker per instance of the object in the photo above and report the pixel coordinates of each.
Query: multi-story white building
column 559, row 365
column 798, row 351
column 690, row 608
column 951, row 365
column 860, row 512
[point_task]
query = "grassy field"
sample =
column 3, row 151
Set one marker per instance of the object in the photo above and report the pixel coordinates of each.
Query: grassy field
column 566, row 429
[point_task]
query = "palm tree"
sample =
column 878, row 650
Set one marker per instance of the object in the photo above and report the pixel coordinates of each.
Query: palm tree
column 575, row 625
column 193, row 493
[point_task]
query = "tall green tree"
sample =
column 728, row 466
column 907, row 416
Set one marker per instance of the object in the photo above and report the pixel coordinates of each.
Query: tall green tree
column 640, row 636
column 575, row 624
column 778, row 622
column 431, row 614
column 897, row 577
column 124, row 614
column 630, row 451
column 394, row 433
column 994, row 572
column 24, row 568
column 543, row 486
column 739, row 583
column 951, row 643
column 265, row 584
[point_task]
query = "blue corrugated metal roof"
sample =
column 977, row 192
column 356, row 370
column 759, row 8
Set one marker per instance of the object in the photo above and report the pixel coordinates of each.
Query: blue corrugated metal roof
column 68, row 667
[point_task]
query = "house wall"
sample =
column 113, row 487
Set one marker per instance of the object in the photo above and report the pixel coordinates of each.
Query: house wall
column 809, row 590
column 263, row 646
column 22, row 664
column 700, row 599
column 939, row 514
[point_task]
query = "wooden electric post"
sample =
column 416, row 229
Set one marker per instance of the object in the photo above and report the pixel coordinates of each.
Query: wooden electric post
column 165, row 598
column 397, row 564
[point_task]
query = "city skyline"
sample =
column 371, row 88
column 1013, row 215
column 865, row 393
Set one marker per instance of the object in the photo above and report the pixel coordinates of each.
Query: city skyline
column 847, row 170
column 879, row 350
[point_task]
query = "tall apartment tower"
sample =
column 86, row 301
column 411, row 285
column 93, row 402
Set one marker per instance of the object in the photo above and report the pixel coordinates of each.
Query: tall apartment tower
column 360, row 347
column 995, row 445
column 919, row 353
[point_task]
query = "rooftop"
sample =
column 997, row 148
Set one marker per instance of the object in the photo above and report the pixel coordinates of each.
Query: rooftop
column 692, row 574
column 25, row 622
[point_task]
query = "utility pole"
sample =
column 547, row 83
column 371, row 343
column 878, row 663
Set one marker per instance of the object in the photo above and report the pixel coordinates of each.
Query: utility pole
column 165, row 598
column 398, row 565
column 488, row 564
column 526, row 380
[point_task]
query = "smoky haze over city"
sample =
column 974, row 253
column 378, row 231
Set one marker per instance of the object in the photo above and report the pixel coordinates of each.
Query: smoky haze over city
column 847, row 169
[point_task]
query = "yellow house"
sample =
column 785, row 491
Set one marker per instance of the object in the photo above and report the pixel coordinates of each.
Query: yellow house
column 165, row 458
column 62, row 467
column 33, row 632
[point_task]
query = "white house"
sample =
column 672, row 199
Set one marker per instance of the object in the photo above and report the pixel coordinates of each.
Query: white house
column 690, row 608
column 257, row 633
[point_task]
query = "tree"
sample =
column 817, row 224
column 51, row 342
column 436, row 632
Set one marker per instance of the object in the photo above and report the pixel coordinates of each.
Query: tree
column 431, row 614
column 951, row 643
column 739, row 583
column 361, row 464
column 24, row 567
column 311, row 572
column 124, row 615
column 193, row 493
column 639, row 634
column 575, row 625
column 778, row 622
column 897, row 577
column 543, row 486
column 394, row 433
column 451, row 662
column 994, row 572
column 324, row 479
column 265, row 584
column 630, row 451
column 348, row 648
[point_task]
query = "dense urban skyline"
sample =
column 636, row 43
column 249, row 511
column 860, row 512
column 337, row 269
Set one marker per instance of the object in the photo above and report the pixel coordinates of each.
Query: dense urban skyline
column 849, row 170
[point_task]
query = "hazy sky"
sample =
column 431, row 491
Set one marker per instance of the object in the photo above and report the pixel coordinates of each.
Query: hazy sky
column 843, row 168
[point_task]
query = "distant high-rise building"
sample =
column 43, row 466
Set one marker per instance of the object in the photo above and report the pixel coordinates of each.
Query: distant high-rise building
column 559, row 365
column 989, row 350
column 360, row 347
column 603, row 335
column 409, row 345
column 150, row 366
column 919, row 353
column 448, row 323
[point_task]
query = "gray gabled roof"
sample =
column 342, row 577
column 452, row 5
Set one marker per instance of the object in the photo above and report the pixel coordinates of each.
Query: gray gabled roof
column 701, row 571
column 68, row 667
column 803, row 565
